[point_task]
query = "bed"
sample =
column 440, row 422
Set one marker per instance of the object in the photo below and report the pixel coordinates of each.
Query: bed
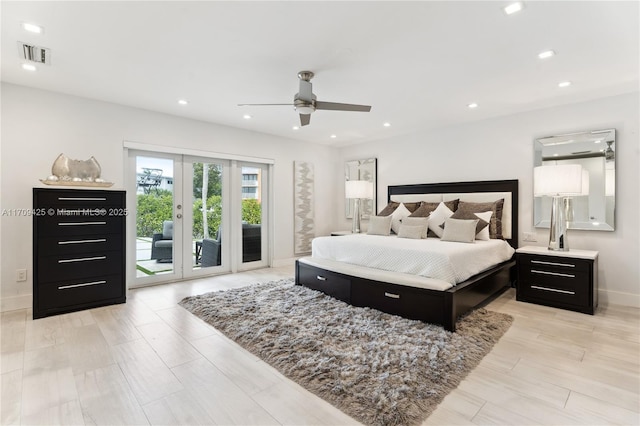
column 410, row 292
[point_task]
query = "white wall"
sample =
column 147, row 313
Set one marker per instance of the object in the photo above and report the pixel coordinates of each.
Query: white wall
column 502, row 148
column 39, row 125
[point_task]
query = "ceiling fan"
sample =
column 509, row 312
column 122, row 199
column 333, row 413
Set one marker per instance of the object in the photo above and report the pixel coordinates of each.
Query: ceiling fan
column 305, row 103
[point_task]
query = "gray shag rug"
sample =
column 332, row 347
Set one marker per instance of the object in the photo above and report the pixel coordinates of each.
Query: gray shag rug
column 378, row 368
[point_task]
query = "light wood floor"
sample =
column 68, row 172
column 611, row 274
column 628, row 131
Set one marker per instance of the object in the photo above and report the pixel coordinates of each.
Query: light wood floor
column 151, row 362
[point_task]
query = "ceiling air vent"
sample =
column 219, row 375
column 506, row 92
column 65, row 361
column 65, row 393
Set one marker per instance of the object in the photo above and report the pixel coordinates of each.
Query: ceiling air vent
column 31, row 53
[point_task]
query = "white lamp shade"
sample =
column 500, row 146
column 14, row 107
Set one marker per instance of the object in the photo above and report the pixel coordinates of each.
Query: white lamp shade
column 358, row 189
column 565, row 179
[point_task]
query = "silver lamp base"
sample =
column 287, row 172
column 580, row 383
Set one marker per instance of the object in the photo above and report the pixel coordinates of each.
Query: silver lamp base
column 558, row 227
column 355, row 224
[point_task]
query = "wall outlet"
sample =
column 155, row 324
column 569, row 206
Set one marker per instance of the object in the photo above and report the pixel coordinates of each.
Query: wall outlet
column 531, row 237
column 21, row 275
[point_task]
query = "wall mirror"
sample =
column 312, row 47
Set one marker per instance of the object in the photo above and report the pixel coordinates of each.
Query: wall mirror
column 366, row 169
column 595, row 151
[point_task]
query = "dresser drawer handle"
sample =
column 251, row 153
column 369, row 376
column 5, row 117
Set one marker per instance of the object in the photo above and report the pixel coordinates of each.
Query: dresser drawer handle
column 537, row 287
column 81, row 199
column 557, row 274
column 82, row 259
column 321, row 278
column 64, row 287
column 540, row 262
column 80, row 223
column 99, row 240
column 392, row 295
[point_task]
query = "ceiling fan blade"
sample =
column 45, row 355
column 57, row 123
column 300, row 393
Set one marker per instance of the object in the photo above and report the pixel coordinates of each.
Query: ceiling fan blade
column 342, row 107
column 241, row 105
column 305, row 119
column 305, row 91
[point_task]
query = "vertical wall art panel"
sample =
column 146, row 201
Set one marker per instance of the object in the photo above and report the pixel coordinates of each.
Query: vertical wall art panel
column 303, row 218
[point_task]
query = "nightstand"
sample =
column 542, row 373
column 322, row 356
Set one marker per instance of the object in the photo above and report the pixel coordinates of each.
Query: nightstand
column 340, row 233
column 562, row 279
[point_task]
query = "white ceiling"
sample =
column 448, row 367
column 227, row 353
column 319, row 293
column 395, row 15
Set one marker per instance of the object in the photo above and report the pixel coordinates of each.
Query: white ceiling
column 417, row 63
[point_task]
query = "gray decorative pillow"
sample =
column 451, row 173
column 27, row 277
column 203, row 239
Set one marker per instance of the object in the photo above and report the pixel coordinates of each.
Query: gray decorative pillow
column 426, row 208
column 495, row 225
column 410, row 231
column 417, row 221
column 379, row 225
column 389, row 208
column 465, row 214
column 459, row 230
column 392, row 206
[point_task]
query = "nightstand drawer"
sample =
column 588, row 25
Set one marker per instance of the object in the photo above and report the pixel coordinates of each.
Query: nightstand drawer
column 571, row 291
column 555, row 264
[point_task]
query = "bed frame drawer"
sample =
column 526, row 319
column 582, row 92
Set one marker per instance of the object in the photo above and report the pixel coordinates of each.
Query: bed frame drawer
column 408, row 302
column 331, row 283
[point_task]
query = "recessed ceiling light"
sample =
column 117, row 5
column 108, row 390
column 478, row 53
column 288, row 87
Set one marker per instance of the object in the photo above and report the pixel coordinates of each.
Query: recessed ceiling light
column 598, row 141
column 246, row 117
column 387, row 124
column 32, row 28
column 564, row 84
column 183, row 102
column 28, row 67
column 546, row 54
column 295, row 127
column 555, row 155
column 513, row 8
column 472, row 105
column 333, row 136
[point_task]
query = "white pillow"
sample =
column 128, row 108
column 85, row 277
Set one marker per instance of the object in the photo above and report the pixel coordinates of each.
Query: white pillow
column 417, row 221
column 460, row 230
column 411, row 231
column 484, row 234
column 437, row 218
column 396, row 217
column 379, row 225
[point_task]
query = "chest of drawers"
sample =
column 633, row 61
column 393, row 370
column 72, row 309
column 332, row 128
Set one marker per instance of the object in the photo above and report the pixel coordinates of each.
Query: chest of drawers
column 567, row 280
column 78, row 249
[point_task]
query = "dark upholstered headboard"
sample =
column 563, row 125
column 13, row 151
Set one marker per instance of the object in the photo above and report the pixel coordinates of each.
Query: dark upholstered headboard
column 454, row 189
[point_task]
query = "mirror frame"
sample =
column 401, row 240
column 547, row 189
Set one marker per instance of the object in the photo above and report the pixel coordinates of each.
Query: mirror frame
column 596, row 152
column 365, row 169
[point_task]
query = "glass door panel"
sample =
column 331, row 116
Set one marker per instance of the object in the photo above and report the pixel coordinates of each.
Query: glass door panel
column 253, row 240
column 206, row 195
column 157, row 225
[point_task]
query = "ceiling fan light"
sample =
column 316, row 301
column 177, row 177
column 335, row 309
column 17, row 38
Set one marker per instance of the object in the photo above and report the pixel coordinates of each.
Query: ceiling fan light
column 303, row 109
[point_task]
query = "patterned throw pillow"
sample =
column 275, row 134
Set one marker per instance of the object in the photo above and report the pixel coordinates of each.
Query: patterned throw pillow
column 495, row 225
column 482, row 223
column 396, row 217
column 437, row 218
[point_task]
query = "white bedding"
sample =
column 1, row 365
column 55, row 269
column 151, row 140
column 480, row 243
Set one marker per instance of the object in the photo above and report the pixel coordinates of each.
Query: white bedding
column 448, row 261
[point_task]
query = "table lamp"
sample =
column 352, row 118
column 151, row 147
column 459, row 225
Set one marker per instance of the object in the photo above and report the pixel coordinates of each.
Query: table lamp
column 558, row 182
column 357, row 189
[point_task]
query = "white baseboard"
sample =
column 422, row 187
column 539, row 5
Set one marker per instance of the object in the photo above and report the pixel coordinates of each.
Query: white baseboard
column 14, row 303
column 608, row 297
column 283, row 262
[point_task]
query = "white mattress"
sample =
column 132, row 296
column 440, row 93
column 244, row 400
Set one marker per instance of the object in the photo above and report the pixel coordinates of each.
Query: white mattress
column 442, row 260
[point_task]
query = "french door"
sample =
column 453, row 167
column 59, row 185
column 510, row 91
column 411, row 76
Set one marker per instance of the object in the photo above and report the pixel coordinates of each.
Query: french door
column 192, row 216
